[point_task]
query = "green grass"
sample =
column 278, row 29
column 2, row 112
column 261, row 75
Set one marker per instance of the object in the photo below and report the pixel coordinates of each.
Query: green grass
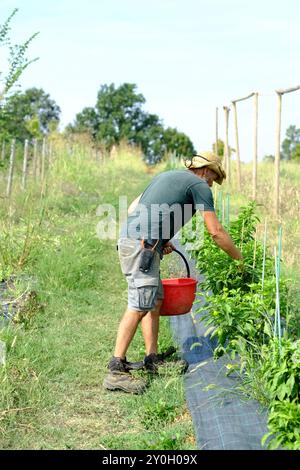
column 51, row 394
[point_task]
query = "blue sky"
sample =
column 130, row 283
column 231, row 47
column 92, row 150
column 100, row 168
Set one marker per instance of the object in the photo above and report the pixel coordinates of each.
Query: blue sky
column 186, row 57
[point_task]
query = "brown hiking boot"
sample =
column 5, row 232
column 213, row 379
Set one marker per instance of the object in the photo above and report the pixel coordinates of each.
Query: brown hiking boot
column 119, row 378
column 155, row 363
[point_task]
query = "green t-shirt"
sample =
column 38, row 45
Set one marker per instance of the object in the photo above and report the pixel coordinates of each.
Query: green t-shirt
column 168, row 203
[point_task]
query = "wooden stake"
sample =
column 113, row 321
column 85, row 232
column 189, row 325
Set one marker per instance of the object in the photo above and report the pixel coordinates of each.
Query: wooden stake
column 220, row 204
column 277, row 329
column 34, row 162
column 227, row 210
column 254, row 179
column 237, row 146
column 11, row 168
column 223, row 212
column 242, row 237
column 24, row 172
column 277, row 155
column 217, row 131
column 279, row 247
column 50, row 153
column 279, row 92
column 43, row 160
column 226, row 146
column 264, row 257
column 254, row 251
column 237, row 137
column 3, row 151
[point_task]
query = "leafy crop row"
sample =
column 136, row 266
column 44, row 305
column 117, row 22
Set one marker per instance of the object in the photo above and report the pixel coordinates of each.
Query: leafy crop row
column 239, row 310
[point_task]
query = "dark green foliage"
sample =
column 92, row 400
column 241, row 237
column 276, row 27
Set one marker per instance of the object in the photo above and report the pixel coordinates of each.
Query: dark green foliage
column 220, row 270
column 239, row 306
column 296, row 153
column 284, row 426
column 240, row 312
column 28, row 115
column 177, row 142
column 281, row 368
column 166, row 441
column 269, row 158
column 118, row 116
column 291, row 144
column 220, row 147
column 161, row 411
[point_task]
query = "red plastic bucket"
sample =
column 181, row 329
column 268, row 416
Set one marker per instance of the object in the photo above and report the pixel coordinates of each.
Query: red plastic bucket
column 179, row 293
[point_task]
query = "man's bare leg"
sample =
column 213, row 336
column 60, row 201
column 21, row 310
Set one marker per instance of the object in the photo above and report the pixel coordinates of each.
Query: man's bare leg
column 150, row 328
column 126, row 331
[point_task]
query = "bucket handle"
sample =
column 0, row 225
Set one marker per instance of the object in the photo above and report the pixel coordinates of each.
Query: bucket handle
column 185, row 262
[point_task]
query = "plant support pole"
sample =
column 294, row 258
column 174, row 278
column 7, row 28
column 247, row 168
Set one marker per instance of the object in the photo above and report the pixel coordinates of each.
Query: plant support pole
column 277, row 310
column 43, row 160
column 279, row 247
column 237, row 146
column 3, row 151
column 220, row 204
column 25, row 159
column 264, row 257
column 277, row 154
column 226, row 146
column 254, row 178
column 35, row 157
column 227, row 210
column 237, row 137
column 217, row 131
column 277, row 146
column 11, row 169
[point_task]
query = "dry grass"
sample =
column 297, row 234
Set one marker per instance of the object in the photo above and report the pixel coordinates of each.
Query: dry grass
column 289, row 206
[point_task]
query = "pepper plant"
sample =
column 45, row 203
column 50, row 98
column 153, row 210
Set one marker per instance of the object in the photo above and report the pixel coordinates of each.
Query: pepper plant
column 239, row 310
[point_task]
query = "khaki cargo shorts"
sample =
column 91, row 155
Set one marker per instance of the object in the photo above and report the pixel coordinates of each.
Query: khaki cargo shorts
column 144, row 289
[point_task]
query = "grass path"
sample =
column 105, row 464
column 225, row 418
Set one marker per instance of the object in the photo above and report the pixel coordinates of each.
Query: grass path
column 51, row 393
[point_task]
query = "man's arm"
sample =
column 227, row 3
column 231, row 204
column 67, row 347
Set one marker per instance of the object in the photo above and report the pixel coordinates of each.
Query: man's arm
column 134, row 204
column 220, row 236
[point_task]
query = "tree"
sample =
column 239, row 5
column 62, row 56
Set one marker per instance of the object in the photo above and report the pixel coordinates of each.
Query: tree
column 119, row 111
column 221, row 146
column 296, row 154
column 118, row 116
column 178, row 142
column 149, row 136
column 86, row 121
column 29, row 115
column 268, row 158
column 17, row 61
column 290, row 143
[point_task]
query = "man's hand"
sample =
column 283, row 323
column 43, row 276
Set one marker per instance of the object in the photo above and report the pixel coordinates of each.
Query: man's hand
column 168, row 248
column 220, row 236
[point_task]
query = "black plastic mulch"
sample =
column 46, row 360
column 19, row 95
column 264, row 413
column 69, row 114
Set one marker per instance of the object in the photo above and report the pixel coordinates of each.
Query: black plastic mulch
column 223, row 420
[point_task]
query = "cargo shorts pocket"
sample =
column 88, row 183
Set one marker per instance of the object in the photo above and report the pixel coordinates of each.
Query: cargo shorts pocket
column 128, row 251
column 147, row 292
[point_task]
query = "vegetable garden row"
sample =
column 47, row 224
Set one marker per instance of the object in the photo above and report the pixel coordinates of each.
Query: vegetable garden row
column 250, row 308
